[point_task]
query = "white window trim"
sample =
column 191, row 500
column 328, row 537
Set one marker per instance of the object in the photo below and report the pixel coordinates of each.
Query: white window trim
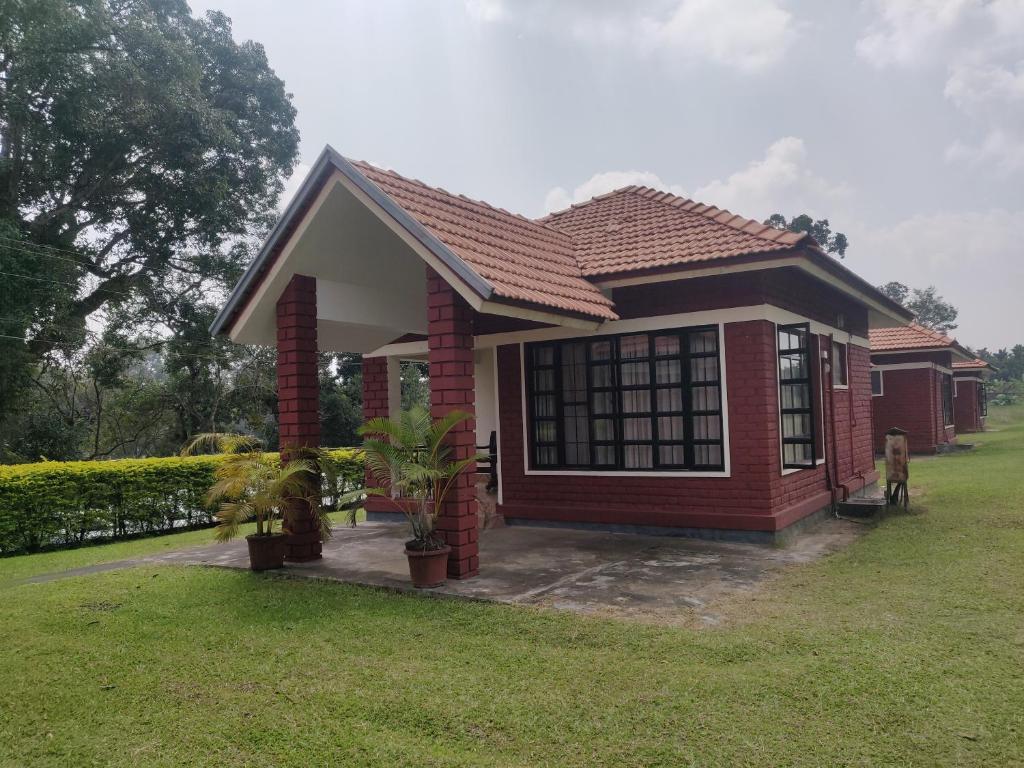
column 881, row 381
column 726, row 472
column 831, row 363
column 783, row 470
column 768, row 312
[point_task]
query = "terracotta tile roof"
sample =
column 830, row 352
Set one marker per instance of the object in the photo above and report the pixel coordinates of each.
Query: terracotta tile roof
column 908, row 337
column 523, row 260
column 636, row 228
column 975, row 364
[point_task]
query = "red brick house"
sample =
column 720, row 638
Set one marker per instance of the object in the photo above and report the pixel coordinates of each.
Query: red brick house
column 970, row 399
column 912, row 385
column 645, row 362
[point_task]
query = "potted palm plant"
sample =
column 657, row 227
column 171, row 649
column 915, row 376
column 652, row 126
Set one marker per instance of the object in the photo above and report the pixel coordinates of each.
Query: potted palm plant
column 253, row 485
column 413, row 468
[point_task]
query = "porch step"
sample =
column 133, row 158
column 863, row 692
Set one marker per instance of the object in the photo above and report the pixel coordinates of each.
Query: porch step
column 861, row 507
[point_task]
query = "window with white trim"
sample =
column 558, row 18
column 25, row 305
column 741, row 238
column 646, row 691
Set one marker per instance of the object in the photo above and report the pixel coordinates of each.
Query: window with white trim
column 947, row 399
column 982, row 399
column 840, row 377
column 876, row 384
column 632, row 402
column 796, row 406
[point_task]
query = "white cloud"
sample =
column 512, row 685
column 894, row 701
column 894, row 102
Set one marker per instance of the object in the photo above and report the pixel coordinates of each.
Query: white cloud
column 910, row 32
column 985, row 85
column 981, row 44
column 292, row 184
column 486, row 10
column 780, row 182
column 749, row 35
column 998, row 148
column 746, row 35
column 970, row 256
column 559, row 198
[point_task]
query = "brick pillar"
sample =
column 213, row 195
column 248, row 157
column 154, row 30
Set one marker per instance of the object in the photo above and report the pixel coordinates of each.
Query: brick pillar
column 375, row 404
column 298, row 398
column 450, row 328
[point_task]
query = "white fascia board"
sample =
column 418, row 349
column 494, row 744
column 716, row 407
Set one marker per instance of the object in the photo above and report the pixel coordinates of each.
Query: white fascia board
column 910, row 367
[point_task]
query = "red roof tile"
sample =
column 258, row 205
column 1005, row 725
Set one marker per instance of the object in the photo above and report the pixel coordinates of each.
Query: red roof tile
column 636, row 228
column 975, row 364
column 908, row 337
column 523, row 260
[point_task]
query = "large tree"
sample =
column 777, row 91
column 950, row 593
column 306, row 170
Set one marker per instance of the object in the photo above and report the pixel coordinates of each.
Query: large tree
column 835, row 243
column 140, row 142
column 930, row 309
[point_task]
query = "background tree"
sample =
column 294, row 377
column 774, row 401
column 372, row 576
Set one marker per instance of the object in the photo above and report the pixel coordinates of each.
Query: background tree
column 930, row 309
column 138, row 140
column 1009, row 363
column 831, row 242
column 142, row 153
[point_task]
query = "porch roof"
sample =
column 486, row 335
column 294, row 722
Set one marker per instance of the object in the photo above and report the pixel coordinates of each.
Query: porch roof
column 550, row 269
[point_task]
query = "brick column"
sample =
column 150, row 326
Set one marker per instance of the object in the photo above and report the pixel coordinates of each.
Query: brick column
column 375, row 404
column 450, row 328
column 298, row 398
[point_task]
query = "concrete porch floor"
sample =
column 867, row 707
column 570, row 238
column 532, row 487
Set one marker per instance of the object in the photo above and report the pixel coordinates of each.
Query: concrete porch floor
column 652, row 578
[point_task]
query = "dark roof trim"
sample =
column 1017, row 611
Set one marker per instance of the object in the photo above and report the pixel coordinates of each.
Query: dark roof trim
column 328, row 159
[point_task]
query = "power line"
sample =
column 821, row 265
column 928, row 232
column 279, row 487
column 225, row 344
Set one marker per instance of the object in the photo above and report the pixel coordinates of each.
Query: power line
column 39, row 245
column 81, row 261
column 62, row 282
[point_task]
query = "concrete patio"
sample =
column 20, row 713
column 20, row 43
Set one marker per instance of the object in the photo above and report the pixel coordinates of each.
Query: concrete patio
column 652, row 578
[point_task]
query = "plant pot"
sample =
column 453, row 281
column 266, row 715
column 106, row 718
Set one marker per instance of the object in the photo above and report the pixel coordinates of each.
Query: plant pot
column 428, row 568
column 266, row 552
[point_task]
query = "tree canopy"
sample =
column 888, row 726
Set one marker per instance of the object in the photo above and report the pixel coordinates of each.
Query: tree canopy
column 142, row 153
column 930, row 309
column 830, row 242
column 139, row 141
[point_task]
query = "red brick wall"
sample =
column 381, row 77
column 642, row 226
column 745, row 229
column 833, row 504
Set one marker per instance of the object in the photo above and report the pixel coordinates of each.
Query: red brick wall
column 965, row 406
column 450, row 352
column 375, row 387
column 298, row 397
column 755, row 497
column 912, row 401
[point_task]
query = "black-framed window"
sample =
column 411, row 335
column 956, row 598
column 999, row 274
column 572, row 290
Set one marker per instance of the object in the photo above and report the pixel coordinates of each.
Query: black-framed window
column 876, row 383
column 647, row 401
column 982, row 399
column 947, row 399
column 796, row 405
column 840, row 377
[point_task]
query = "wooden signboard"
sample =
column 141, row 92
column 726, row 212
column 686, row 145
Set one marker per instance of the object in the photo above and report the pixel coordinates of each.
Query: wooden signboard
column 897, row 467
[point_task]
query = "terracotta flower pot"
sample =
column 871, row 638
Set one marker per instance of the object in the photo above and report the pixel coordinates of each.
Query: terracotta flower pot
column 428, row 568
column 266, row 552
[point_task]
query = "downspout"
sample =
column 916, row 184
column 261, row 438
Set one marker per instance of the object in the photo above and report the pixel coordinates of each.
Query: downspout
column 823, row 364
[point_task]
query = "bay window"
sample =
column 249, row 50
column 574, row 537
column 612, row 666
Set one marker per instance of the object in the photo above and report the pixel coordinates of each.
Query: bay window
column 647, row 401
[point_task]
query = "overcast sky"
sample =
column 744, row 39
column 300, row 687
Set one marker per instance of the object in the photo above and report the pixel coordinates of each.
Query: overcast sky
column 901, row 121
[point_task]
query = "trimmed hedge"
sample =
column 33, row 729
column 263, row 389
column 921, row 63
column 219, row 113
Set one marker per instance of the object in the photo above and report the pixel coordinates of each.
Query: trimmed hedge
column 65, row 503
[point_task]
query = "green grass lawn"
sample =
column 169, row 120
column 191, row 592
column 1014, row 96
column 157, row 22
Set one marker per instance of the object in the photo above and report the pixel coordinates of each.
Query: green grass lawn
column 905, row 649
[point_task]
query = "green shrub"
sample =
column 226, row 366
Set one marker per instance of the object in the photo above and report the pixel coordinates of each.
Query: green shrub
column 59, row 504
